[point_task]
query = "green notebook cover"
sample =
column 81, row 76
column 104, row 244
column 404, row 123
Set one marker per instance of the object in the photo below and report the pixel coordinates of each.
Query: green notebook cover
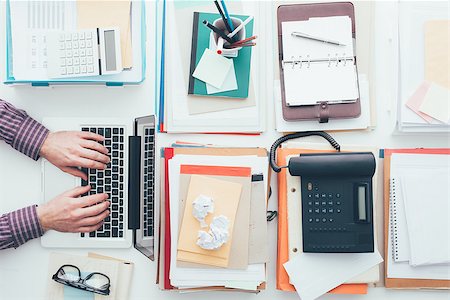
column 200, row 41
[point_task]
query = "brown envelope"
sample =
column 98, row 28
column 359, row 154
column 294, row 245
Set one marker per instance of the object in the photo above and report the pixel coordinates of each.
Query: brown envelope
column 239, row 254
column 226, row 197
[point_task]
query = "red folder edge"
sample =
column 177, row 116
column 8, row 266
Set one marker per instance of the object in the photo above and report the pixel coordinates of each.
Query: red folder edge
column 168, row 154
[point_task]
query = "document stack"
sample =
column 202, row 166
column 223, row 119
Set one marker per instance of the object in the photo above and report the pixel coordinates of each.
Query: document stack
column 202, row 91
column 213, row 228
column 424, row 80
column 314, row 274
column 417, row 231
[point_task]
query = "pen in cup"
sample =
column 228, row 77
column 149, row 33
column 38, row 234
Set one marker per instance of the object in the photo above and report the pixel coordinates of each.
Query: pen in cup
column 218, row 31
column 224, row 19
column 230, row 23
column 316, row 38
column 219, row 45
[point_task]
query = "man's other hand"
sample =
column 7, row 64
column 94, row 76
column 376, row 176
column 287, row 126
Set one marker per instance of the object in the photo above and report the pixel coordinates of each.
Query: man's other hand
column 69, row 212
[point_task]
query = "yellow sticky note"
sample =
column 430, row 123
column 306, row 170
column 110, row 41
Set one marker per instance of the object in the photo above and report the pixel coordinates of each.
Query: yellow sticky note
column 226, row 197
column 437, row 49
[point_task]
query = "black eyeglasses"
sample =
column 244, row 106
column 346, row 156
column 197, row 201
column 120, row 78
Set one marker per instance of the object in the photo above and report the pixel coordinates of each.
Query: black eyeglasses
column 94, row 282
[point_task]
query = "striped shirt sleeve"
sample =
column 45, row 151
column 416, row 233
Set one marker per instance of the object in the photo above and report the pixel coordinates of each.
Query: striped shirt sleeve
column 20, row 131
column 18, row 227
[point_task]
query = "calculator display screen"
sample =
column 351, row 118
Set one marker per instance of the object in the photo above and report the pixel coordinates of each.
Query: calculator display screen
column 362, row 203
column 110, row 50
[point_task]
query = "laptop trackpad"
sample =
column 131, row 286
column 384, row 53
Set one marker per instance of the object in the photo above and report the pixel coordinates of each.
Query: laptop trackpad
column 57, row 182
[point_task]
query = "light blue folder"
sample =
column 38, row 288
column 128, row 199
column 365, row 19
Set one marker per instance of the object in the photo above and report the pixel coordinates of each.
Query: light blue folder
column 108, row 80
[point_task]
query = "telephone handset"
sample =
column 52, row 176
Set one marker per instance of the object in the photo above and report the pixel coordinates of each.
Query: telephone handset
column 336, row 197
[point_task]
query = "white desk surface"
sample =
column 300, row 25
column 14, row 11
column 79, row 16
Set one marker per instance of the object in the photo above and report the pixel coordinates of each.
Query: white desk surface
column 23, row 272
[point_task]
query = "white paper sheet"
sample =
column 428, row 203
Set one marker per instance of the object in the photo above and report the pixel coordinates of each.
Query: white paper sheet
column 437, row 103
column 208, row 277
column 314, row 274
column 427, row 209
column 213, row 68
column 338, row 28
column 229, row 84
column 30, row 22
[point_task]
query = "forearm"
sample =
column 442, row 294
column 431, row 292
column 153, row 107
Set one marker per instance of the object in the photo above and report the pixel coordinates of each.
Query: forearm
column 20, row 131
column 18, row 227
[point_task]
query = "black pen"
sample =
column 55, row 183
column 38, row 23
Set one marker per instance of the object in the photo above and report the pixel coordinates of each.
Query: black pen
column 224, row 19
column 218, row 31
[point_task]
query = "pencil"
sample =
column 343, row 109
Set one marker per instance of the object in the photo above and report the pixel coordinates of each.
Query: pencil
column 244, row 40
column 241, row 45
column 218, row 31
column 224, row 19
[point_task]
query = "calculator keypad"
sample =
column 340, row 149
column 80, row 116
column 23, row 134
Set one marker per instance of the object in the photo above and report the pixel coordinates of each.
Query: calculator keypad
column 76, row 53
column 323, row 207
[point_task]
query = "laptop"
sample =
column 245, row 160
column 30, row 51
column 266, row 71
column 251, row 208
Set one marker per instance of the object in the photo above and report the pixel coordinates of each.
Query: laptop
column 128, row 180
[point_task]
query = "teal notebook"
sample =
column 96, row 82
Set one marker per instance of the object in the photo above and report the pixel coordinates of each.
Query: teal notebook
column 200, row 41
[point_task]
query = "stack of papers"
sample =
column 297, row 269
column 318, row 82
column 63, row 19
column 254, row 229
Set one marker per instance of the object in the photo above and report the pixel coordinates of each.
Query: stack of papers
column 419, row 227
column 202, row 91
column 424, row 104
column 213, row 233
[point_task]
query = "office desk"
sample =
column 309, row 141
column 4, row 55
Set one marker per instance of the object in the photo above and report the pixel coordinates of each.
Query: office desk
column 23, row 272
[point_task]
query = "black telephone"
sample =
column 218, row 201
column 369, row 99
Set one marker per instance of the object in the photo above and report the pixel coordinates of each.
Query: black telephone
column 337, row 203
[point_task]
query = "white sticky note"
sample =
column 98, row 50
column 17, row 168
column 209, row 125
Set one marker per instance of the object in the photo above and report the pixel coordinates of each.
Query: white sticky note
column 314, row 274
column 230, row 83
column 212, row 68
column 437, row 103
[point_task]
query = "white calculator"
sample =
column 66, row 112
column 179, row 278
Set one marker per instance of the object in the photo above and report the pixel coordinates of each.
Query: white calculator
column 81, row 53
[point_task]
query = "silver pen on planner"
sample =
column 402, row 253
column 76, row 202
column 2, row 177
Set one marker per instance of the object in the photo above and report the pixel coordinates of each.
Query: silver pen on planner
column 316, row 38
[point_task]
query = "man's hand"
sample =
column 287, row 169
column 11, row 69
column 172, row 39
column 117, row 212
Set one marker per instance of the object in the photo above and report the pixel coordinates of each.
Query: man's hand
column 68, row 213
column 69, row 150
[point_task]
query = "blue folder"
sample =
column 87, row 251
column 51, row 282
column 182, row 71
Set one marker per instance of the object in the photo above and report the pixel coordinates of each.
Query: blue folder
column 107, row 80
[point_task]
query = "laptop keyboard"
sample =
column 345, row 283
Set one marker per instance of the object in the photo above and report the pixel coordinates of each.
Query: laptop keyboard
column 149, row 180
column 110, row 181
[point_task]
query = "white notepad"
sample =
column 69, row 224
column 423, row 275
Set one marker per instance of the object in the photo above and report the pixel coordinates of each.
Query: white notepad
column 424, row 181
column 316, row 71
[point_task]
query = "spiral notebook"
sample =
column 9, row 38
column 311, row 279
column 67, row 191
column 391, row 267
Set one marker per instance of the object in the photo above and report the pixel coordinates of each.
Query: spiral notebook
column 316, row 69
column 399, row 231
column 401, row 197
column 319, row 81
